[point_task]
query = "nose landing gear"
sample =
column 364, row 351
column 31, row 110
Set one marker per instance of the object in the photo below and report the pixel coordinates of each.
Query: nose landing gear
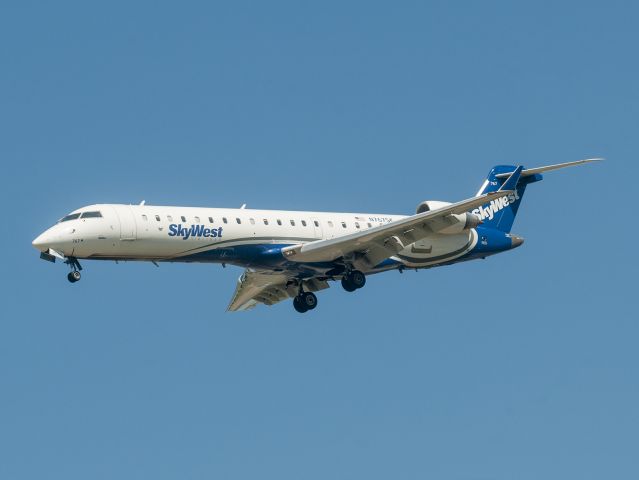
column 74, row 275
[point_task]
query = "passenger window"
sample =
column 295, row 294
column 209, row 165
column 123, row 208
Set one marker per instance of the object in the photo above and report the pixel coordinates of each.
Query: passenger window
column 344, row 224
column 369, row 225
column 169, row 218
column 183, row 218
column 330, row 224
column 144, row 218
column 279, row 222
column 210, row 219
column 91, row 215
column 197, row 219
column 238, row 220
column 252, row 220
column 304, row 223
column 316, row 223
column 356, row 225
column 225, row 220
column 265, row 221
column 157, row 217
column 293, row 223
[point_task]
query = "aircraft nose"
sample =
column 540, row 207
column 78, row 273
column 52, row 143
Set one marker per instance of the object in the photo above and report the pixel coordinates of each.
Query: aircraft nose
column 41, row 242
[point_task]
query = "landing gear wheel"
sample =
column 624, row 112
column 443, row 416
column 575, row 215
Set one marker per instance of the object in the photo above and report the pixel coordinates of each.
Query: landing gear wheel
column 309, row 300
column 347, row 285
column 304, row 302
column 298, row 305
column 353, row 281
column 357, row 278
column 73, row 276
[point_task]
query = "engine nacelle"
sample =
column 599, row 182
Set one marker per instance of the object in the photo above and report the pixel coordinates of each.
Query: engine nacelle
column 450, row 224
column 457, row 223
column 429, row 205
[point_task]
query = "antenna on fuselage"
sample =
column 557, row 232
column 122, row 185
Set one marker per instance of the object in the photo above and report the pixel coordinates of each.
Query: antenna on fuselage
column 243, row 206
column 142, row 202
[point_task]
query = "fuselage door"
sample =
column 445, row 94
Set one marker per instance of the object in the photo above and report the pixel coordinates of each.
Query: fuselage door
column 128, row 230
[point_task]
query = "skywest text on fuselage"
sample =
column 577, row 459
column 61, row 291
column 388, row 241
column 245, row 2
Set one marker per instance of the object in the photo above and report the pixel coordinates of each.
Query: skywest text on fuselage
column 177, row 230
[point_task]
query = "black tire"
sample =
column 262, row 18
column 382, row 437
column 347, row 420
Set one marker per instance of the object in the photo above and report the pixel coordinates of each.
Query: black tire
column 347, row 285
column 298, row 305
column 357, row 279
column 309, row 300
column 73, row 276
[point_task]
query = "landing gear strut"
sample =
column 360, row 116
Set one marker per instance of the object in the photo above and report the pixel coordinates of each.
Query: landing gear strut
column 353, row 280
column 304, row 302
column 74, row 274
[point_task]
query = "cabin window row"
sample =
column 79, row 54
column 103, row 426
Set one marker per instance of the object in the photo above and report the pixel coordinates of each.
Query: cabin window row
column 238, row 220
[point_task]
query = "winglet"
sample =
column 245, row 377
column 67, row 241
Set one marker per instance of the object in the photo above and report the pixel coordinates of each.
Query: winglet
column 511, row 183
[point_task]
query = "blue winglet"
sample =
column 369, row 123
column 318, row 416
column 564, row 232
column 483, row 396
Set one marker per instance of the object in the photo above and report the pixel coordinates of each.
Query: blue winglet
column 511, row 183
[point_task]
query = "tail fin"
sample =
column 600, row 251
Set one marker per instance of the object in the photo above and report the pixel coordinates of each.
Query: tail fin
column 500, row 213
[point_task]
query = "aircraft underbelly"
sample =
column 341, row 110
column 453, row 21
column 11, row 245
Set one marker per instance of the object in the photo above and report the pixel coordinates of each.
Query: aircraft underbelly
column 438, row 249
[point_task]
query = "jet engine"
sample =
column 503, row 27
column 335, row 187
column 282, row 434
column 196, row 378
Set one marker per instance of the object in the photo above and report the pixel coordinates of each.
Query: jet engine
column 429, row 205
column 450, row 224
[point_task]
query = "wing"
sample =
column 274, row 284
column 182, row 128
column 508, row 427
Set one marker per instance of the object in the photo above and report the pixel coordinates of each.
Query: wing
column 255, row 287
column 532, row 171
column 369, row 247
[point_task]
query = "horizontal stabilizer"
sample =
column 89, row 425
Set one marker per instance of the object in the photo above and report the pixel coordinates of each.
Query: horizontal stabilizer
column 511, row 183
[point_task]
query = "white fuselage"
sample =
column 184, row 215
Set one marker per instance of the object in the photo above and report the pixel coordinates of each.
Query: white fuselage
column 291, row 254
column 191, row 234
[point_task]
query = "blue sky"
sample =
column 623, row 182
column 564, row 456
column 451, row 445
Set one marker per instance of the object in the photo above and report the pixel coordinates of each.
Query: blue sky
column 521, row 366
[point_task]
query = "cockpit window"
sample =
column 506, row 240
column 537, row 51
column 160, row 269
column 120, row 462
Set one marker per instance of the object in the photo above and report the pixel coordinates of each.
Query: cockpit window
column 71, row 216
column 91, row 215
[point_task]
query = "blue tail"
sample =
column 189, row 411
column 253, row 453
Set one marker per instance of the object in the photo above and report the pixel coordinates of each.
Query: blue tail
column 500, row 213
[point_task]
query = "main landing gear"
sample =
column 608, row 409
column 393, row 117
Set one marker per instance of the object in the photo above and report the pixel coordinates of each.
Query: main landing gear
column 74, row 275
column 304, row 302
column 353, row 280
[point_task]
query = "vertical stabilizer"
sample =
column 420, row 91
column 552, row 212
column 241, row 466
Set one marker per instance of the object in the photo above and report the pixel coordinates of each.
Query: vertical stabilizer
column 500, row 213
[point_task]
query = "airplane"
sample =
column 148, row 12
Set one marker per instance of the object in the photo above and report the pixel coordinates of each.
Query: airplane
column 292, row 254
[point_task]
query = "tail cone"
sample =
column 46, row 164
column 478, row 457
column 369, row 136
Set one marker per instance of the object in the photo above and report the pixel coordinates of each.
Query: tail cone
column 516, row 241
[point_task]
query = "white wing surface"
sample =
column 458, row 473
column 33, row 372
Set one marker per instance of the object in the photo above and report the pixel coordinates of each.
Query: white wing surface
column 268, row 288
column 532, row 171
column 369, row 247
